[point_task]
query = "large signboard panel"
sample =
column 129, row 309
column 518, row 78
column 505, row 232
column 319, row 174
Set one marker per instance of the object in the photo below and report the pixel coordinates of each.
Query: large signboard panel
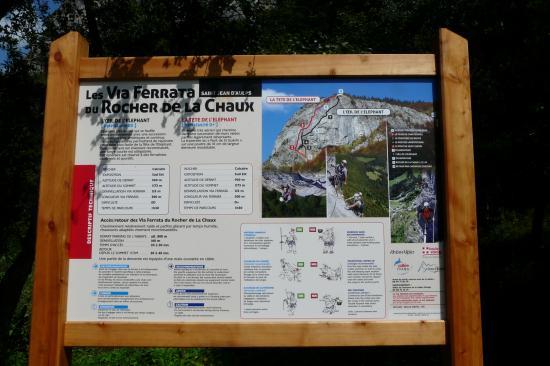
column 254, row 200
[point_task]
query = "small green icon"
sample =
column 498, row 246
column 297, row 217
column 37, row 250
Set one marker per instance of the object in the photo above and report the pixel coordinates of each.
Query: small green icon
column 300, row 264
column 299, row 229
column 301, row 295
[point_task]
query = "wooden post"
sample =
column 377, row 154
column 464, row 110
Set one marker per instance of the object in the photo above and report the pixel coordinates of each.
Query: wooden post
column 461, row 256
column 49, row 300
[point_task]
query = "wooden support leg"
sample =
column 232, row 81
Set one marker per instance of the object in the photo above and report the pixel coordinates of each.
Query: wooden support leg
column 49, row 300
column 461, row 254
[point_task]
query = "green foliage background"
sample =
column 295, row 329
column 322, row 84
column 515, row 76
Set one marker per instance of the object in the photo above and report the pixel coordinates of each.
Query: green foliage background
column 310, row 206
column 509, row 57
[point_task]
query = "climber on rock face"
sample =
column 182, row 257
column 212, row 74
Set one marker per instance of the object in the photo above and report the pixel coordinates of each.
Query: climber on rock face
column 425, row 218
column 426, row 212
column 342, row 171
column 286, row 194
column 356, row 203
column 340, row 177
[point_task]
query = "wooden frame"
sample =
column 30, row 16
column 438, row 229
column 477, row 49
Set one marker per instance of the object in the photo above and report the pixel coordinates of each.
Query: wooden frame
column 192, row 67
column 265, row 334
column 51, row 335
column 461, row 256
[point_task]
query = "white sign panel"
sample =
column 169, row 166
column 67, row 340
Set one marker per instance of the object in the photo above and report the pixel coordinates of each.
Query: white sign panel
column 255, row 200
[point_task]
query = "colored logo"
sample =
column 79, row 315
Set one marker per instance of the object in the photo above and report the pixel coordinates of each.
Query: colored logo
column 429, row 267
column 401, row 267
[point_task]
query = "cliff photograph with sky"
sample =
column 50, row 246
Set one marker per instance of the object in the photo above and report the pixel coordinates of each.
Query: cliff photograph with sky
column 319, row 161
column 412, row 182
column 293, row 156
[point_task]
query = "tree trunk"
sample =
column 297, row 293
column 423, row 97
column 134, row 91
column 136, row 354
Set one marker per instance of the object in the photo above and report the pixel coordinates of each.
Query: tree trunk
column 12, row 284
column 95, row 40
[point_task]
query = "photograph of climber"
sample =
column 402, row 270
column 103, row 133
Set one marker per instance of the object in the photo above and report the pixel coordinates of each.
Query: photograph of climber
column 357, row 182
column 413, row 204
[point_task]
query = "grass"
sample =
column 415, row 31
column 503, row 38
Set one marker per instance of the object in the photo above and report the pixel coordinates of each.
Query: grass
column 311, row 206
column 402, row 177
column 145, row 356
column 374, row 175
column 399, row 227
column 365, row 159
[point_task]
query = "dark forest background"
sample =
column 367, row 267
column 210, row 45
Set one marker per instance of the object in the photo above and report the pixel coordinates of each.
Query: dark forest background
column 509, row 60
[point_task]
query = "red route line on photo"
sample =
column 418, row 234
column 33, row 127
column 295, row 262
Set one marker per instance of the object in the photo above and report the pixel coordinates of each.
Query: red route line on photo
column 305, row 128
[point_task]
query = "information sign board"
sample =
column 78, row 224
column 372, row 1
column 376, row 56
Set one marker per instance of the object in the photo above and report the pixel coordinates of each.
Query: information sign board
column 256, row 201
column 216, row 200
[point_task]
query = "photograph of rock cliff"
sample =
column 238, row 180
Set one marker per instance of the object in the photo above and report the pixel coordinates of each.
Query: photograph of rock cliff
column 294, row 173
column 414, row 213
column 412, row 179
column 358, row 182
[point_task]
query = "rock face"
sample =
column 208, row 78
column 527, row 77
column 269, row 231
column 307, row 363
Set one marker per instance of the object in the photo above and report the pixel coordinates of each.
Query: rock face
column 405, row 207
column 305, row 184
column 428, row 195
column 318, row 125
column 336, row 206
